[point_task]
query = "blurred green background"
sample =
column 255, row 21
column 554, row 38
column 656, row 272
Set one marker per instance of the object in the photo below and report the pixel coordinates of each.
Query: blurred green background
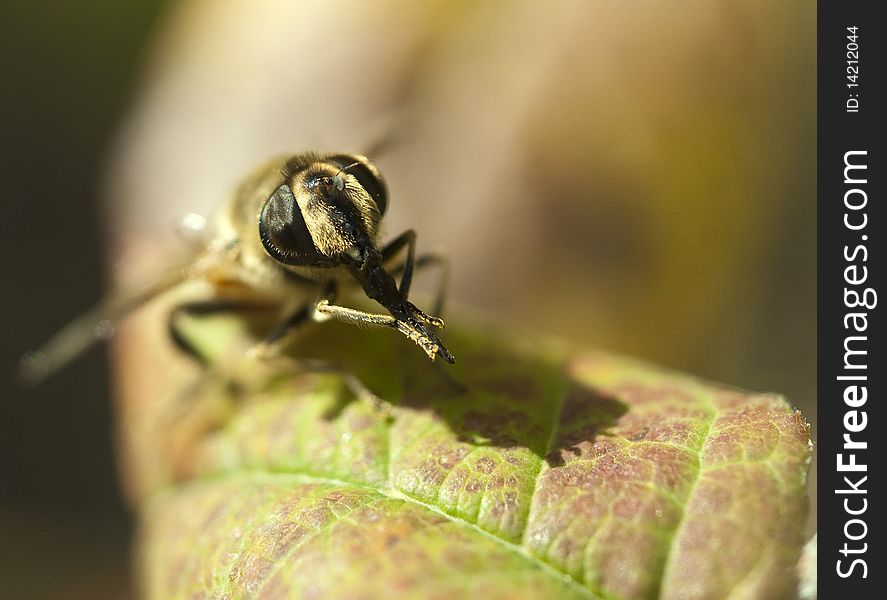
column 640, row 178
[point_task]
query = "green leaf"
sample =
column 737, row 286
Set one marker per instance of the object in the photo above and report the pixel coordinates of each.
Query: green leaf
column 527, row 471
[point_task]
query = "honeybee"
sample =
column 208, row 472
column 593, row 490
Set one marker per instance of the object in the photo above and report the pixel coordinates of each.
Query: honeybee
column 297, row 233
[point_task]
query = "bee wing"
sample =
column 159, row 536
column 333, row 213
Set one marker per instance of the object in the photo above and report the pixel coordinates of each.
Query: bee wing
column 99, row 323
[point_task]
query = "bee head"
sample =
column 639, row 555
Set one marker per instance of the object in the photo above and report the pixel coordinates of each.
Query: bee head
column 326, row 212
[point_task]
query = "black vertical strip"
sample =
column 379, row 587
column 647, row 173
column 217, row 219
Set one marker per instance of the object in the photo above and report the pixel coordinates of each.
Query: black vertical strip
column 851, row 264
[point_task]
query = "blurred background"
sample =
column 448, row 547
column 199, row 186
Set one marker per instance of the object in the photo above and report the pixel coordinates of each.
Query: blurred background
column 634, row 177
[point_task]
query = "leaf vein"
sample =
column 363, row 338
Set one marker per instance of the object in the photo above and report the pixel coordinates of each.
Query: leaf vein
column 672, row 538
column 394, row 494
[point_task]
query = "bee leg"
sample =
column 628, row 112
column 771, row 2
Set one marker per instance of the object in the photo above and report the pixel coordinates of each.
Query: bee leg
column 323, row 310
column 408, row 238
column 432, row 347
column 442, row 261
column 201, row 308
column 279, row 336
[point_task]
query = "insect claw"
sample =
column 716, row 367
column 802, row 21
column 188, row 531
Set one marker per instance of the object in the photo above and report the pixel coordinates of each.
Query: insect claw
column 426, row 318
column 445, row 354
column 435, row 322
column 425, row 339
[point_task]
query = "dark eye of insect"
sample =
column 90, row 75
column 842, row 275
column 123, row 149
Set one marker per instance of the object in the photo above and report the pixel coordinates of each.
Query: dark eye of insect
column 374, row 186
column 283, row 231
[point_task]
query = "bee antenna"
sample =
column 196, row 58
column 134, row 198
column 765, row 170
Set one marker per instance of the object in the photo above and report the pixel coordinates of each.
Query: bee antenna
column 345, row 169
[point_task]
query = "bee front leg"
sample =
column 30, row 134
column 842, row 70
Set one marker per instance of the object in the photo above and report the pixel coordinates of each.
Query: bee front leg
column 415, row 331
column 413, row 263
column 408, row 239
column 442, row 261
column 324, row 311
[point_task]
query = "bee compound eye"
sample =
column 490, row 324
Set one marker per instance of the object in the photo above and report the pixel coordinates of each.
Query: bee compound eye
column 367, row 176
column 283, row 231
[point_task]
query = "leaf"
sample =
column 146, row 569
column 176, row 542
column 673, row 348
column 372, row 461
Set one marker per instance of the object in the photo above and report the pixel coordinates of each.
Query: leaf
column 550, row 475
